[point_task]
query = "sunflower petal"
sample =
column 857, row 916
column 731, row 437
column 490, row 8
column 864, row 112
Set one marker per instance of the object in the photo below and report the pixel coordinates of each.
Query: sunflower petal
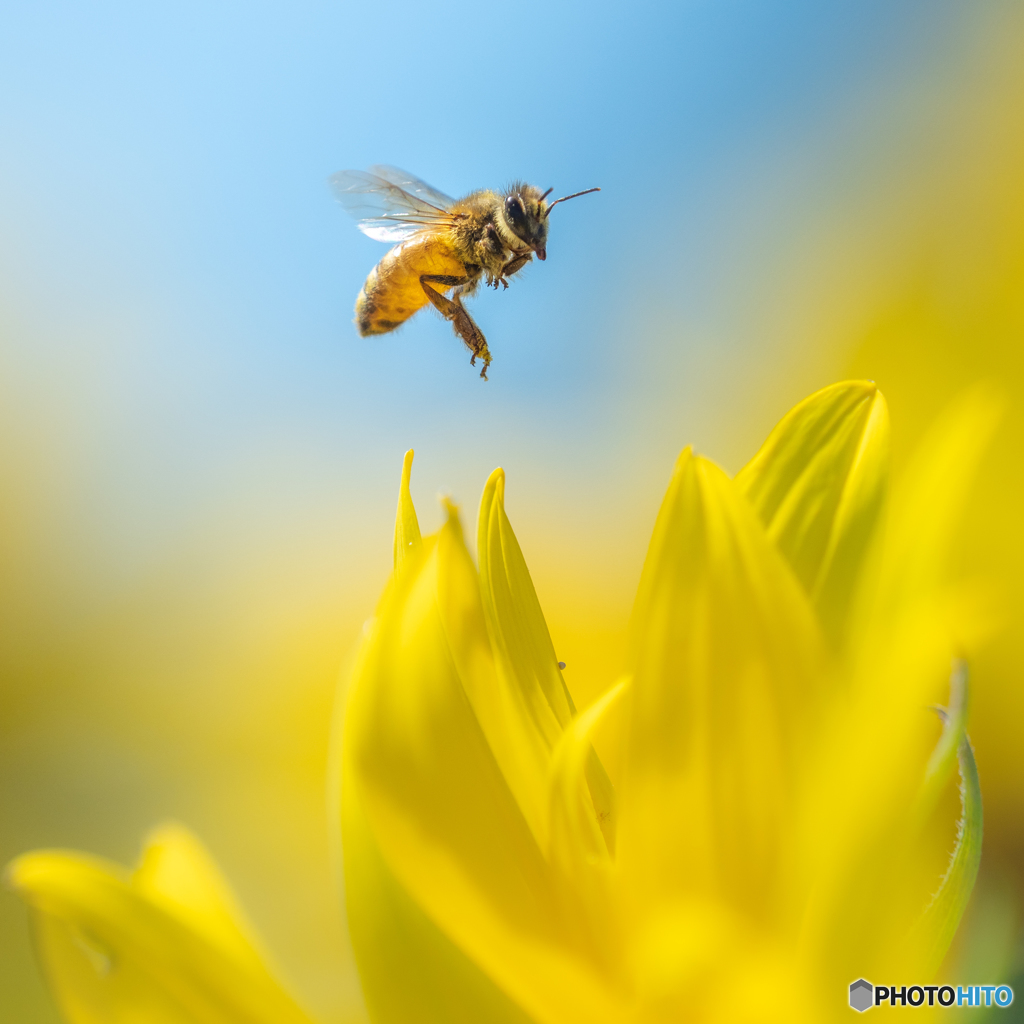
column 578, row 836
column 515, row 622
column 727, row 662
column 393, row 938
column 499, row 704
column 523, row 651
column 407, row 526
column 176, row 870
column 865, row 797
column 163, row 946
column 818, row 485
column 433, row 757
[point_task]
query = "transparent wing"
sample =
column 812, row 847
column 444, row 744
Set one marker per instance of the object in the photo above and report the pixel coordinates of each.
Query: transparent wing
column 413, row 185
column 390, row 208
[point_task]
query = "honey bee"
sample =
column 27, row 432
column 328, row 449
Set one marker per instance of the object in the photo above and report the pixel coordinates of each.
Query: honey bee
column 444, row 245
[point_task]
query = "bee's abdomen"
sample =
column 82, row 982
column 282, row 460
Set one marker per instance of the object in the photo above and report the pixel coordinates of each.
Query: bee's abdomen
column 392, row 292
column 369, row 317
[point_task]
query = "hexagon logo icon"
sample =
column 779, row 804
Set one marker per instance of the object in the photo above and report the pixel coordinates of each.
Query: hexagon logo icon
column 862, row 995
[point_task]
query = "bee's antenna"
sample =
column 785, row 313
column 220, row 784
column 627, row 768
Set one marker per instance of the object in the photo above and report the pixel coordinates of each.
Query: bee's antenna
column 546, row 194
column 585, row 192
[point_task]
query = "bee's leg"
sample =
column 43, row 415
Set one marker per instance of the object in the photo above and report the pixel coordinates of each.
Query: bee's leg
column 513, row 266
column 453, row 310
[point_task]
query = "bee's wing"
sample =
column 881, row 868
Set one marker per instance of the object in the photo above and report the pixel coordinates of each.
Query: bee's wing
column 386, row 211
column 413, row 185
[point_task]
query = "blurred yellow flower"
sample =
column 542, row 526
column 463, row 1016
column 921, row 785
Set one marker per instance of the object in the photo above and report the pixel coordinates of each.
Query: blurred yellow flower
column 165, row 944
column 778, row 828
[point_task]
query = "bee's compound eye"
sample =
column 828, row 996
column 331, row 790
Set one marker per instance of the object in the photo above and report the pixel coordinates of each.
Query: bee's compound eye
column 515, row 213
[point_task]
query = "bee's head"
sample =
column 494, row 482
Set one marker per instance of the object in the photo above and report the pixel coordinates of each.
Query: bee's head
column 525, row 214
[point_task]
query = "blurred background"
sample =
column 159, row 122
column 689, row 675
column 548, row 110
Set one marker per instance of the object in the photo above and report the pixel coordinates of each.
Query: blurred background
column 200, row 457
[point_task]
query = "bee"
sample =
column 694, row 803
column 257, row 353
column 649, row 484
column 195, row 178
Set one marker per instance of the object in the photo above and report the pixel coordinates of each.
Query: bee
column 444, row 245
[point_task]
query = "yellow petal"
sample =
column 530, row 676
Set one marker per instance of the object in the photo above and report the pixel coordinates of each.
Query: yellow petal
column 580, row 847
column 177, row 872
column 577, row 833
column 927, row 509
column 519, row 634
column 497, row 703
column 411, row 973
column 523, row 651
column 162, row 947
column 431, row 756
column 407, row 526
column 727, row 674
column 873, row 872
column 818, row 485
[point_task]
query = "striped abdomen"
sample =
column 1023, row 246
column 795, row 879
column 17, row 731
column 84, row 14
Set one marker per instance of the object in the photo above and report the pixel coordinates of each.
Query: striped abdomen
column 392, row 292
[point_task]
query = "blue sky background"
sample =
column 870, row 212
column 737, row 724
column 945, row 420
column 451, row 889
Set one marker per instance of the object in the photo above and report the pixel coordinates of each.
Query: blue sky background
column 179, row 281
column 190, row 421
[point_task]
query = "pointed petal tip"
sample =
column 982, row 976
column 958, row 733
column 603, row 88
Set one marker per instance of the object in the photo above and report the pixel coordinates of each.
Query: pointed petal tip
column 497, row 481
column 407, row 527
column 855, row 384
column 18, row 874
column 168, row 837
column 11, row 871
column 866, row 389
column 165, row 832
column 407, row 469
column 693, row 465
column 684, row 457
column 24, row 874
column 451, row 509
